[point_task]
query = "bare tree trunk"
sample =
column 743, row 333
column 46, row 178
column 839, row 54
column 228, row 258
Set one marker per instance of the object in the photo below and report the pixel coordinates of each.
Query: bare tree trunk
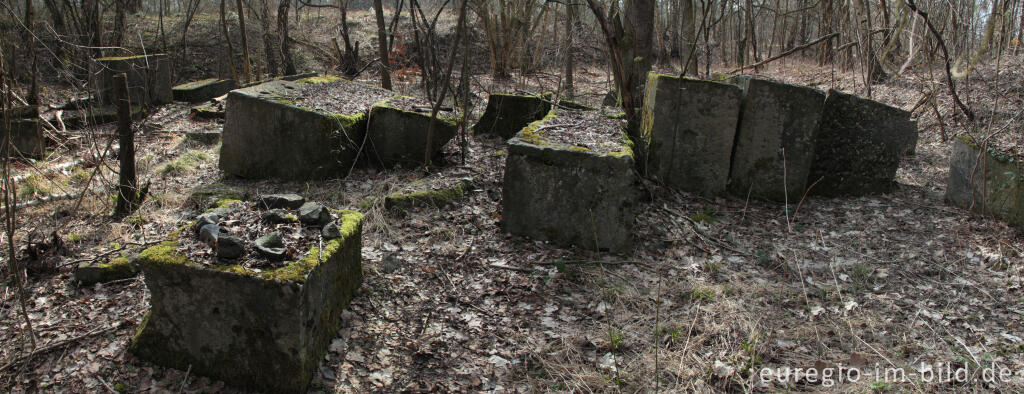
column 163, row 37
column 269, row 49
column 286, row 41
column 227, row 39
column 637, row 45
column 460, row 28
column 119, row 22
column 826, row 52
column 689, row 37
column 33, row 90
column 570, row 69
column 245, row 41
column 382, row 44
column 127, row 190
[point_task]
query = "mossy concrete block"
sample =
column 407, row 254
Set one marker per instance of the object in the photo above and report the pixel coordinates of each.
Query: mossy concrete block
column 986, row 181
column 149, row 78
column 78, row 119
column 267, row 136
column 774, row 145
column 437, row 198
column 264, row 331
column 859, row 146
column 116, row 269
column 208, row 111
column 200, row 91
column 22, row 112
column 204, row 197
column 689, row 125
column 208, row 137
column 399, row 137
column 506, row 114
column 27, row 138
column 568, row 196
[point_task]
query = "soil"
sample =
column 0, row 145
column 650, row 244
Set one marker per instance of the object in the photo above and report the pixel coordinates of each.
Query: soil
column 585, row 129
column 340, row 97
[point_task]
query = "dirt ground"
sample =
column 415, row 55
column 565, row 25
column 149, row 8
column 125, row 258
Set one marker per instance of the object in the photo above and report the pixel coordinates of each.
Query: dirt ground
column 718, row 295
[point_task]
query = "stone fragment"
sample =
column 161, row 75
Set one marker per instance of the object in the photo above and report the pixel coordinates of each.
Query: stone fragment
column 689, row 127
column 208, row 234
column 859, row 146
column 27, row 138
column 330, row 231
column 271, row 246
column 203, row 90
column 567, row 194
column 398, row 135
column 314, row 214
column 119, row 268
column 266, row 331
column 230, row 247
column 149, row 78
column 205, row 219
column 286, row 201
column 986, row 181
column 506, row 114
column 775, row 139
column 275, row 216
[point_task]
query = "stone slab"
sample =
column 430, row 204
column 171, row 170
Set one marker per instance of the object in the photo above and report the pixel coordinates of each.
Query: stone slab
column 265, row 331
column 568, row 195
column 267, row 136
column 689, row 125
column 774, row 145
column 986, row 181
column 507, row 114
column 203, row 90
column 859, row 146
column 149, row 78
column 399, row 137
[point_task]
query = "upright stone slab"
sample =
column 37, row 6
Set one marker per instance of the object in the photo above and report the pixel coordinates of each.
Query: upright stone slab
column 775, row 139
column 204, row 90
column 859, row 146
column 398, row 132
column 506, row 114
column 986, row 181
column 689, row 125
column 265, row 331
column 149, row 78
column 26, row 137
column 272, row 131
column 569, row 179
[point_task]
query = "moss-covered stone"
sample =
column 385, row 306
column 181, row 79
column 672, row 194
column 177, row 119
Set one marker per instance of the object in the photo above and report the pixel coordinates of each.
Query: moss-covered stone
column 986, row 181
column 437, row 198
column 264, row 330
column 507, row 114
column 207, row 196
column 203, row 90
column 207, row 111
column 27, row 138
column 118, row 268
column 399, row 137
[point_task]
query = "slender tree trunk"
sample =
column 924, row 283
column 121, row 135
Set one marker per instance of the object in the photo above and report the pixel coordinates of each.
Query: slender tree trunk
column 637, row 46
column 286, row 41
column 268, row 40
column 245, row 41
column 163, row 37
column 460, row 28
column 127, row 189
column 689, row 37
column 227, row 39
column 826, row 52
column 33, row 89
column 382, row 44
column 119, row 22
column 570, row 69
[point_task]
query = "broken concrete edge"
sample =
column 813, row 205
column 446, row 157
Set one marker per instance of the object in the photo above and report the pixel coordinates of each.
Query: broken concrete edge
column 993, row 152
column 647, row 113
column 204, row 197
column 198, row 84
column 206, row 111
column 494, row 98
column 166, row 253
column 449, row 120
column 437, row 198
column 986, row 181
column 333, row 120
column 121, row 267
column 533, row 134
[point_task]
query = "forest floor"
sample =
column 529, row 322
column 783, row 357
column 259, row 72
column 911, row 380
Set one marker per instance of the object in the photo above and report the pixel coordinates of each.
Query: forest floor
column 717, row 294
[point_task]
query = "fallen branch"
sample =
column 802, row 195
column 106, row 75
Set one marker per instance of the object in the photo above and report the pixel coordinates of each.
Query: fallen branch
column 786, row 53
column 945, row 56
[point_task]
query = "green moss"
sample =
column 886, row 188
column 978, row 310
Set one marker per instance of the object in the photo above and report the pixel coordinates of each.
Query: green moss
column 320, row 79
column 196, row 84
column 532, row 133
column 435, row 198
column 204, row 196
column 226, row 202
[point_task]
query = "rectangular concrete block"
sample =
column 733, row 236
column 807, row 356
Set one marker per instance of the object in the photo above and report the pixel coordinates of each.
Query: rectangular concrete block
column 775, row 139
column 398, row 132
column 265, row 331
column 27, row 138
column 204, row 90
column 859, row 146
column 986, row 181
column 149, row 78
column 570, row 194
column 268, row 134
column 506, row 114
column 689, row 125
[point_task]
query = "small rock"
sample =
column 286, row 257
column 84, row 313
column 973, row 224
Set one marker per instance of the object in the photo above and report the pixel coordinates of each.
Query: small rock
column 313, row 213
column 222, row 212
column 230, row 247
column 390, row 264
column 331, row 231
column 208, row 234
column 287, row 201
column 271, row 246
column 275, row 216
column 205, row 219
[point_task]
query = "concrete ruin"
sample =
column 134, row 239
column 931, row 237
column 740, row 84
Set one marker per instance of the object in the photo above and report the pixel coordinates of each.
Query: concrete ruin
column 986, row 181
column 560, row 190
column 204, row 90
column 774, row 146
column 149, row 78
column 398, row 132
column 507, row 114
column 265, row 330
column 689, row 127
column 859, row 145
